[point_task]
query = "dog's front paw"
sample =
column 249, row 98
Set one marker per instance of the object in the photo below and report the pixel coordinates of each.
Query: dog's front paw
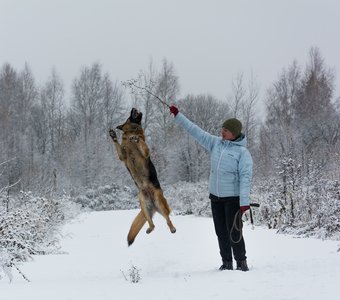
column 113, row 135
column 134, row 139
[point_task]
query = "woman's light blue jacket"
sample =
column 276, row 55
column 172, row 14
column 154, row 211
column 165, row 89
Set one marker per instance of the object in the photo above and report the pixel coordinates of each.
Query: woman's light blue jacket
column 231, row 164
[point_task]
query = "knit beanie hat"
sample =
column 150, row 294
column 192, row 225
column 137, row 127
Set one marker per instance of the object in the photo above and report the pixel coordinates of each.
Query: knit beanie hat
column 234, row 126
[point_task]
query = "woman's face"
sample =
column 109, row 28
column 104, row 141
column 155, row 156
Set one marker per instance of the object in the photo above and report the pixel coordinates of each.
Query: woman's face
column 227, row 135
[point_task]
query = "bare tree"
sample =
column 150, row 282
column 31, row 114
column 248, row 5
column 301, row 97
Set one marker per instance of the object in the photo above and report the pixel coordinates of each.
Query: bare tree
column 316, row 91
column 144, row 99
column 249, row 115
column 238, row 95
column 88, row 96
column 52, row 100
column 167, row 90
column 314, row 111
column 87, row 99
column 17, row 93
column 279, row 105
column 242, row 102
column 113, row 105
column 97, row 105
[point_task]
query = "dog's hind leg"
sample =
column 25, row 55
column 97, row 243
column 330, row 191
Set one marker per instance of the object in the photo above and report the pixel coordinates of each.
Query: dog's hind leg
column 163, row 208
column 148, row 210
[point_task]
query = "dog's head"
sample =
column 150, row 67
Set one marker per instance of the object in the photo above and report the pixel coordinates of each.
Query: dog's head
column 135, row 120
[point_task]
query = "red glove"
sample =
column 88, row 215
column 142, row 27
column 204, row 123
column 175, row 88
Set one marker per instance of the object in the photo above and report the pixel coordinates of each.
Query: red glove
column 244, row 208
column 174, row 110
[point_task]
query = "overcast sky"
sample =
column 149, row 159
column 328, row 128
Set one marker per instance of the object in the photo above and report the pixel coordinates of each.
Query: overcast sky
column 208, row 41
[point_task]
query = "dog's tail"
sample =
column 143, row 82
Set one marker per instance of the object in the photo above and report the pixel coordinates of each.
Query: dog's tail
column 136, row 226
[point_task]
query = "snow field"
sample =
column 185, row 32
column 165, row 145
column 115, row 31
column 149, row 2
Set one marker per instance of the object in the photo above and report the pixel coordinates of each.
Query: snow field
column 95, row 263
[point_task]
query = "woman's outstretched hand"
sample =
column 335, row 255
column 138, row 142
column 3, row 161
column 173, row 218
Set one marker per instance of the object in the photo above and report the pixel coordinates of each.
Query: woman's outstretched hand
column 174, row 110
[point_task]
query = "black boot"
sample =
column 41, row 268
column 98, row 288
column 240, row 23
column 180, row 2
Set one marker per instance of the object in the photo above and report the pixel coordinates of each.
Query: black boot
column 228, row 265
column 242, row 266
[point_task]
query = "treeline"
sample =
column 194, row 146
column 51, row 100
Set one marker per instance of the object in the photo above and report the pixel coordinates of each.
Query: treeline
column 47, row 146
column 50, row 144
column 297, row 157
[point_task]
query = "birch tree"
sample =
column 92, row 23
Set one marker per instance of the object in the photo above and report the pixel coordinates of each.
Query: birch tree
column 144, row 100
column 86, row 102
column 314, row 112
column 9, row 93
column 168, row 90
column 243, row 105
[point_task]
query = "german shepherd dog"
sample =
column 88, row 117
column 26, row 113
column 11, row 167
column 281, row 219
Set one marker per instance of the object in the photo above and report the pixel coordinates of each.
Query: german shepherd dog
column 135, row 154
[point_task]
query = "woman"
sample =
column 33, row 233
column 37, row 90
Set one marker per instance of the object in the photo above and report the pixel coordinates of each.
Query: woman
column 229, row 183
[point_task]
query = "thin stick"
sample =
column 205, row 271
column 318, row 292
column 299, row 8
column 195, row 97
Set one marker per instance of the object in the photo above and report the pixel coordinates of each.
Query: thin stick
column 124, row 275
column 131, row 83
column 9, row 186
column 22, row 274
column 7, row 161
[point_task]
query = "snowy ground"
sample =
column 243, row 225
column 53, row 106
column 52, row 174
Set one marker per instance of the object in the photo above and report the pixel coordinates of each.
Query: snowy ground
column 175, row 266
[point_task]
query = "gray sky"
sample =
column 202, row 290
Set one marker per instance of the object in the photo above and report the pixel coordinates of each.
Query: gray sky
column 208, row 41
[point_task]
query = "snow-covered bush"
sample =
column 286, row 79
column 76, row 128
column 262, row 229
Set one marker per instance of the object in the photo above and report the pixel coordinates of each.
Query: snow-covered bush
column 109, row 197
column 188, row 198
column 184, row 198
column 31, row 227
column 312, row 209
column 22, row 233
column 301, row 206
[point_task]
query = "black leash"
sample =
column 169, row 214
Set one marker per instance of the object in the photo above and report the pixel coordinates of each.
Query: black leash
column 238, row 224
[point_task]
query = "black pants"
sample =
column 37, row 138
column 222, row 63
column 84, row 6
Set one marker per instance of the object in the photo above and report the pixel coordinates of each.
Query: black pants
column 223, row 212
